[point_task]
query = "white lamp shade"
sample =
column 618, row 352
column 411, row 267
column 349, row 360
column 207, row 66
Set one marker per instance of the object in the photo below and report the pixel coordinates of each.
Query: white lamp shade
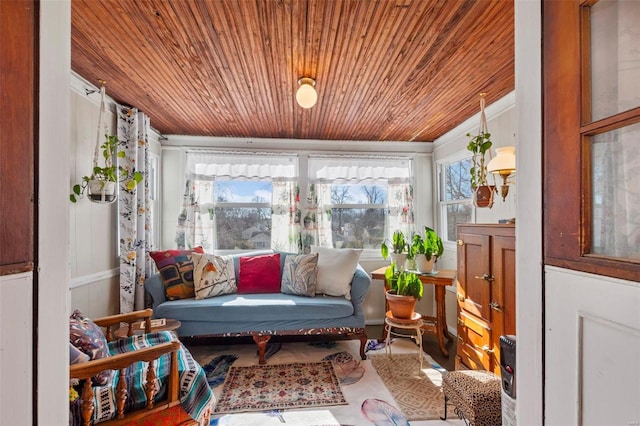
column 306, row 95
column 504, row 160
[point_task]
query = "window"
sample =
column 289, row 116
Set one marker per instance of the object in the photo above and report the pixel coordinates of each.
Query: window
column 358, row 215
column 592, row 140
column 456, row 203
column 239, row 201
column 357, row 201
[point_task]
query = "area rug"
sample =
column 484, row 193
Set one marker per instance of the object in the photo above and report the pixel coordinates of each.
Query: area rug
column 416, row 391
column 280, row 386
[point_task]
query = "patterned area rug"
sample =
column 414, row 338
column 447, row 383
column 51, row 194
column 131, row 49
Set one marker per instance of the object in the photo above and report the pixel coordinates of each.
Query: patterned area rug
column 270, row 387
column 417, row 392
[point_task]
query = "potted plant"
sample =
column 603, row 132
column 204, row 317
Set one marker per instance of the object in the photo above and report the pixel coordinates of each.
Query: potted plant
column 405, row 289
column 426, row 250
column 479, row 145
column 400, row 249
column 101, row 185
column 483, row 192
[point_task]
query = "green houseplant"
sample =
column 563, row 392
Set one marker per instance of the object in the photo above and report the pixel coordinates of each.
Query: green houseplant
column 427, row 249
column 101, row 185
column 479, row 145
column 400, row 249
column 405, row 289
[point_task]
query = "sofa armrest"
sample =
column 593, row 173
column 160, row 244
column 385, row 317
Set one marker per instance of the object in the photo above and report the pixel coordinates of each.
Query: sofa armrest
column 359, row 286
column 153, row 285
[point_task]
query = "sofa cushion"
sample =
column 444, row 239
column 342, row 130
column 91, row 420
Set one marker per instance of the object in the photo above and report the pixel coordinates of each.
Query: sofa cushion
column 213, row 275
column 176, row 270
column 335, row 270
column 259, row 274
column 85, row 335
column 300, row 274
column 238, row 309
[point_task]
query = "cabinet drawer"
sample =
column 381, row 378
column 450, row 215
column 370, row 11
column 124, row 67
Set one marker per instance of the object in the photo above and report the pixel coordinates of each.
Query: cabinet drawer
column 474, row 342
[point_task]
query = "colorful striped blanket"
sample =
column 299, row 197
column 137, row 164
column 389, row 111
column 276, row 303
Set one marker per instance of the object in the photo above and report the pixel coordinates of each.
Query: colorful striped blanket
column 195, row 395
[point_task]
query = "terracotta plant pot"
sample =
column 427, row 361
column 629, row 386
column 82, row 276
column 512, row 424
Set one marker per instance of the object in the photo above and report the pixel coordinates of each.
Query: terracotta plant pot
column 401, row 307
column 483, row 196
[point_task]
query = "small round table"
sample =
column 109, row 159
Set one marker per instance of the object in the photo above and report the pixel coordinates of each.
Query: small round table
column 414, row 323
column 138, row 328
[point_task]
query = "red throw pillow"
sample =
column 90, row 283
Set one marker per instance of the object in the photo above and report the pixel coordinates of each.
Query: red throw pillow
column 176, row 271
column 259, row 274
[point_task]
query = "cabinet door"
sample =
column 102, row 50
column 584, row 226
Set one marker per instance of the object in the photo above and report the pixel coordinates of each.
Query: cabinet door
column 503, row 296
column 474, row 274
column 474, row 343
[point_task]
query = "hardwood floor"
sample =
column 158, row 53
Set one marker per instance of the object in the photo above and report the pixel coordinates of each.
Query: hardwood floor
column 429, row 345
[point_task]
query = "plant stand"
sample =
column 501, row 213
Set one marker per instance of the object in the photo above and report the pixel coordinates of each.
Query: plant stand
column 414, row 324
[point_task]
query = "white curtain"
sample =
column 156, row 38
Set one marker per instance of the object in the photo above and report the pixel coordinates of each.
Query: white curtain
column 325, row 170
column 196, row 222
column 134, row 209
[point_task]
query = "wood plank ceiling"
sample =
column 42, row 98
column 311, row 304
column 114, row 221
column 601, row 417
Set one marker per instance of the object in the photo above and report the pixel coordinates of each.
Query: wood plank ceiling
column 387, row 70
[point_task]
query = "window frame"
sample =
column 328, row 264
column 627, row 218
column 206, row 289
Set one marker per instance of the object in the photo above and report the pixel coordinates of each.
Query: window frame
column 567, row 130
column 442, row 203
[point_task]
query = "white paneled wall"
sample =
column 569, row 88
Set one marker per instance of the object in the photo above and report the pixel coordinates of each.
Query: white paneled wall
column 501, row 122
column 93, row 233
column 16, row 358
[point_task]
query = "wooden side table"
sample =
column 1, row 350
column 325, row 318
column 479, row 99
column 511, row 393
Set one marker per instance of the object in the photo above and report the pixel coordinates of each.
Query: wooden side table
column 138, row 328
column 442, row 279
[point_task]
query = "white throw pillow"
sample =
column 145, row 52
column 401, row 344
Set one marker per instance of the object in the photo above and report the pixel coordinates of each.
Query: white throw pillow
column 213, row 275
column 335, row 270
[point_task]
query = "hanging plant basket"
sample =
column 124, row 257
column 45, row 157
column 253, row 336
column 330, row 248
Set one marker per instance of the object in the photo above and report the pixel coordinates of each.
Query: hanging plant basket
column 483, row 196
column 100, row 191
column 479, row 145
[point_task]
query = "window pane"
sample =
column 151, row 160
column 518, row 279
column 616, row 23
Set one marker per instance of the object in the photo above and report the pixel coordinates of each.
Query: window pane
column 243, row 191
column 457, row 180
column 614, row 57
column 243, row 228
column 358, row 194
column 357, row 228
column 457, row 213
column 615, row 168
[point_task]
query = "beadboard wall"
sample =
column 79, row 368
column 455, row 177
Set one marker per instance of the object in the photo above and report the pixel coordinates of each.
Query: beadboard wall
column 93, row 239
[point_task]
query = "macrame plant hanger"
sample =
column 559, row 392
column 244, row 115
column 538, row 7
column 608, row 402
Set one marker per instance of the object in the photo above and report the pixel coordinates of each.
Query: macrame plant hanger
column 483, row 194
column 98, row 191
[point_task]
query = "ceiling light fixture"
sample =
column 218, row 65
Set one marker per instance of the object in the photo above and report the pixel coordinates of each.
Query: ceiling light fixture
column 504, row 164
column 306, row 95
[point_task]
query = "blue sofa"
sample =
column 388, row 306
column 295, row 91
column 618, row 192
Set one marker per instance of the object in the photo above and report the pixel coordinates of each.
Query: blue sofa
column 264, row 315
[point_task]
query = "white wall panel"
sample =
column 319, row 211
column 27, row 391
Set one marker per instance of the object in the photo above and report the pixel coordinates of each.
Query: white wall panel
column 592, row 342
column 16, row 372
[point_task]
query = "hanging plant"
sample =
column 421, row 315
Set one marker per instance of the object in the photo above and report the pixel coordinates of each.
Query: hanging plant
column 479, row 145
column 100, row 186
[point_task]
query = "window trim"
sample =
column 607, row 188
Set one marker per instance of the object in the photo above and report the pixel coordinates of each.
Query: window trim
column 442, row 203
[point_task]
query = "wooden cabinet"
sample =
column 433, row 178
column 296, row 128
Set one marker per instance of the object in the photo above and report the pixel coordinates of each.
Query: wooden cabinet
column 486, row 293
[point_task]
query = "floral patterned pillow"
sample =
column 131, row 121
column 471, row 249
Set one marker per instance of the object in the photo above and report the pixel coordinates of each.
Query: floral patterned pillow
column 85, row 335
column 213, row 275
column 300, row 275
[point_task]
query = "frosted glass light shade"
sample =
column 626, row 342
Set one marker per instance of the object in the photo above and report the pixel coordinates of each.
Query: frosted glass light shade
column 306, row 95
column 504, row 162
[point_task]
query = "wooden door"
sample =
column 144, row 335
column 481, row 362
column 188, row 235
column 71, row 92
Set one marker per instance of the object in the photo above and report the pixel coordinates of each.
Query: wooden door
column 474, row 274
column 17, row 83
